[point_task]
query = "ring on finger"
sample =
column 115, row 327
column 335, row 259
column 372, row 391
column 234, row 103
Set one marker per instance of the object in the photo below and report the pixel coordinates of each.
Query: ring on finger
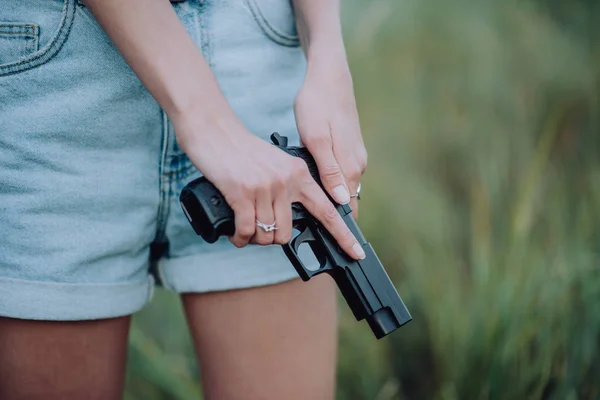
column 267, row 227
column 357, row 194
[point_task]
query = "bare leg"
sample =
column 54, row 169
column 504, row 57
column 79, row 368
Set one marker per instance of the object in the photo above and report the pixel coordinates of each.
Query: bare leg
column 62, row 360
column 274, row 342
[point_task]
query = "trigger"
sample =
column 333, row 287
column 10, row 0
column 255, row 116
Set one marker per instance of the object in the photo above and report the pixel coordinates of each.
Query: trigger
column 305, row 236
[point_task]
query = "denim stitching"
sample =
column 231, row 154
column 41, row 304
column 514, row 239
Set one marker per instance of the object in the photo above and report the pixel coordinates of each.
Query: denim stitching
column 36, row 40
column 31, row 44
column 16, row 25
column 50, row 50
column 276, row 31
column 181, row 173
column 8, row 28
column 205, row 30
column 191, row 170
column 27, row 35
column 270, row 31
column 163, row 202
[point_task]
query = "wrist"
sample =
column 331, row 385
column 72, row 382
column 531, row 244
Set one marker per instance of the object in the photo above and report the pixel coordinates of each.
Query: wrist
column 205, row 122
column 198, row 96
column 328, row 57
column 326, row 50
column 329, row 69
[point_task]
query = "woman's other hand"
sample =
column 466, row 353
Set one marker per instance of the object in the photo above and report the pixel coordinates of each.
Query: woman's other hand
column 328, row 124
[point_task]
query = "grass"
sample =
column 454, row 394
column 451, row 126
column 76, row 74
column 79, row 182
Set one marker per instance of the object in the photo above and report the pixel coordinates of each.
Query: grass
column 481, row 199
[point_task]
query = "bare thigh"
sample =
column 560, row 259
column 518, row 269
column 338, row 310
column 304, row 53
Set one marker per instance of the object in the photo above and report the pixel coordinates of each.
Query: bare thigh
column 273, row 342
column 62, row 360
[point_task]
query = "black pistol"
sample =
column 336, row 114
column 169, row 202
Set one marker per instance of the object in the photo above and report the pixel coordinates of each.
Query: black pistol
column 364, row 284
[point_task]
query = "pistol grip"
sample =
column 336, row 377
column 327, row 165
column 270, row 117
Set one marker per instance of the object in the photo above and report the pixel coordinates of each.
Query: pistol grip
column 291, row 251
column 206, row 210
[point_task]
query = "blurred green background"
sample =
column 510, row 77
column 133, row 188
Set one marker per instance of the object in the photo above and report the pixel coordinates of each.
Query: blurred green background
column 482, row 199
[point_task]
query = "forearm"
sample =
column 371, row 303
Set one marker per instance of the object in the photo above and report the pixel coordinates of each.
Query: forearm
column 320, row 30
column 157, row 47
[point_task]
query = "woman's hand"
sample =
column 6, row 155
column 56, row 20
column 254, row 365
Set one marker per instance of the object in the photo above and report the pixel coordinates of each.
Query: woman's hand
column 258, row 181
column 328, row 125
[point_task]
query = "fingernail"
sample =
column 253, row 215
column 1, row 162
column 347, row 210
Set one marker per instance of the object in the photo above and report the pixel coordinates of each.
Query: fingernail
column 341, row 195
column 358, row 251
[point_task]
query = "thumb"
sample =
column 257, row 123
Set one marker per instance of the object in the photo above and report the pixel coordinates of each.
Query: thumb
column 330, row 172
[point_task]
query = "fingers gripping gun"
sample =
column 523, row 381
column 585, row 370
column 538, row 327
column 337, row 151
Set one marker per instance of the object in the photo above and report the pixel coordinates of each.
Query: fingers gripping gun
column 364, row 284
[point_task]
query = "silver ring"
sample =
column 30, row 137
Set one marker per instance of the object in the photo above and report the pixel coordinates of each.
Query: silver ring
column 357, row 194
column 266, row 227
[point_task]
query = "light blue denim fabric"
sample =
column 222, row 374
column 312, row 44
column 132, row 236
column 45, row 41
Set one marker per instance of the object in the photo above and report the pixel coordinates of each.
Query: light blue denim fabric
column 90, row 171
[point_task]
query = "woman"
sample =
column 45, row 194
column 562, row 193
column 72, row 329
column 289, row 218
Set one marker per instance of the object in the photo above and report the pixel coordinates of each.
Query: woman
column 107, row 109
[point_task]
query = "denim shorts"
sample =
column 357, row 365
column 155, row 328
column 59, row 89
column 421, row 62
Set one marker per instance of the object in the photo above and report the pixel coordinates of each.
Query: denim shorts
column 90, row 170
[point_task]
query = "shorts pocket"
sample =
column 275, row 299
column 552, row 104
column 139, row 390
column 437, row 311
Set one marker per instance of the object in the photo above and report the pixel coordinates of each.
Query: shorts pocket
column 276, row 19
column 19, row 42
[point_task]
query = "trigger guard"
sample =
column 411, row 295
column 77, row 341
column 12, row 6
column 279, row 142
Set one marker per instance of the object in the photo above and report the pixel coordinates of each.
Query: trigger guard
column 291, row 251
column 307, row 236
